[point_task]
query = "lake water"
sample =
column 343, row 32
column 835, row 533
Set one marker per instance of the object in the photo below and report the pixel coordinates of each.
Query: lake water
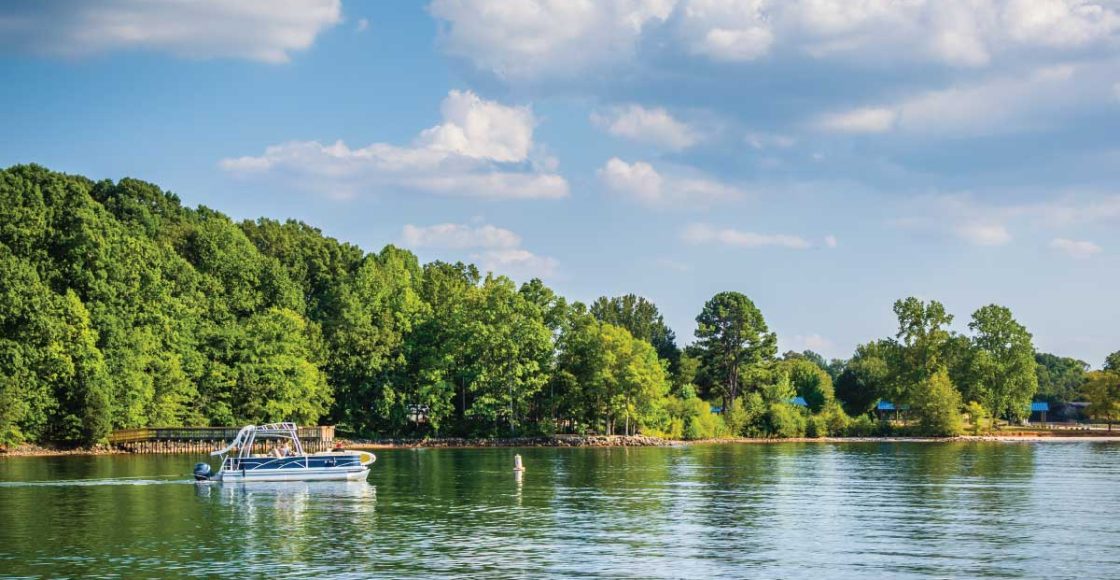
column 866, row 510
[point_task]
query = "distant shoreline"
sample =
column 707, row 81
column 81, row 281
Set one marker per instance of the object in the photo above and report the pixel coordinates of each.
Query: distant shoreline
column 593, row 441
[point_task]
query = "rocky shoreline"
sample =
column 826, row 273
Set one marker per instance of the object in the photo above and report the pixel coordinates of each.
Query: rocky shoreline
column 604, row 441
column 553, row 441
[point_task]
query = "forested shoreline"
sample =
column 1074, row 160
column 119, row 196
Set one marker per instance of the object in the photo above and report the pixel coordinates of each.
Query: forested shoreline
column 121, row 308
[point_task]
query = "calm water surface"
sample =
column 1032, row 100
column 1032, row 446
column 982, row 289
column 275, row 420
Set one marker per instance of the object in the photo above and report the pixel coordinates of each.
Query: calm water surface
column 772, row 511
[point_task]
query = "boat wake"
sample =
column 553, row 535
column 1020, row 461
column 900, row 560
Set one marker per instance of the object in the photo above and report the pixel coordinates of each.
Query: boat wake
column 141, row 480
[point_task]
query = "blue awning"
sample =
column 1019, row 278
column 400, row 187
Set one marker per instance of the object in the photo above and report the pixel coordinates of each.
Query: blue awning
column 1040, row 407
column 889, row 406
column 799, row 402
column 717, row 409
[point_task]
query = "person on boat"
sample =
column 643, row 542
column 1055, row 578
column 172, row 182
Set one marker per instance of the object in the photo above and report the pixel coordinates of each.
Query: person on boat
column 286, row 450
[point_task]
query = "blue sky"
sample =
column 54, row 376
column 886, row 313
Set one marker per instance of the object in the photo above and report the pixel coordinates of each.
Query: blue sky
column 824, row 157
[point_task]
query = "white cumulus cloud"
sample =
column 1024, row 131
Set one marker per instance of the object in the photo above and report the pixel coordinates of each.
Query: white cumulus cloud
column 495, row 249
column 535, row 38
column 481, row 149
column 653, row 125
column 261, row 30
column 726, row 30
column 983, row 234
column 700, row 233
column 517, row 263
column 1077, row 249
column 641, row 182
column 865, row 120
column 996, row 104
column 814, row 342
column 459, row 237
column 518, row 39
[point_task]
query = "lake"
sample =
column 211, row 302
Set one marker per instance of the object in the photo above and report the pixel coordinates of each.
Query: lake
column 789, row 510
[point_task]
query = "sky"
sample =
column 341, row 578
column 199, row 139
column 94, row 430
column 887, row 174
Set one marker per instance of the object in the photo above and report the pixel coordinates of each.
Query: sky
column 823, row 157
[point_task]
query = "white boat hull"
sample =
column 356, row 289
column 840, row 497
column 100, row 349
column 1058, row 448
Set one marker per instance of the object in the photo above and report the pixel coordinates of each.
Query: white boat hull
column 294, row 474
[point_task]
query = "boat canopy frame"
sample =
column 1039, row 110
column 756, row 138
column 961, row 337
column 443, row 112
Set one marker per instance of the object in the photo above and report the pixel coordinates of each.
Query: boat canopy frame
column 248, row 435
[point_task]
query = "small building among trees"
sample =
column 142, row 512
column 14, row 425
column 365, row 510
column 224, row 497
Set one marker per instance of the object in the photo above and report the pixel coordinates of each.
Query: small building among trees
column 1039, row 409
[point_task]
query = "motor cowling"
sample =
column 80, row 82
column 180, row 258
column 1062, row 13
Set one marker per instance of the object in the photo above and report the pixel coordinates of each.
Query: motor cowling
column 202, row 471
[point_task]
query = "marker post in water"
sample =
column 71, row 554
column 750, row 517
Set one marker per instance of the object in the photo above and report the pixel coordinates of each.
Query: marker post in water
column 517, row 463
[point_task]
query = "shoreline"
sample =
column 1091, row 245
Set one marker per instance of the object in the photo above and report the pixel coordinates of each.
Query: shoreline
column 606, row 441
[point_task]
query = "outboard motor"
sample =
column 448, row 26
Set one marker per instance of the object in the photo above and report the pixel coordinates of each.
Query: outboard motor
column 202, row 472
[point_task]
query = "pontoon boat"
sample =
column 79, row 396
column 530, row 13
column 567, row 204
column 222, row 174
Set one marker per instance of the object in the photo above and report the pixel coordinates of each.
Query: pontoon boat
column 286, row 462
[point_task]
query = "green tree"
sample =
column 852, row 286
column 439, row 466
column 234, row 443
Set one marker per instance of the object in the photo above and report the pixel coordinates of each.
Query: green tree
column 1001, row 372
column 318, row 265
column 1059, row 378
column 1102, row 391
column 1112, row 362
column 937, row 405
column 731, row 334
column 374, row 313
column 80, row 377
column 642, row 319
column 509, row 349
column 277, row 377
column 809, row 381
column 436, row 349
column 977, row 414
column 867, row 377
column 611, row 378
column 924, row 341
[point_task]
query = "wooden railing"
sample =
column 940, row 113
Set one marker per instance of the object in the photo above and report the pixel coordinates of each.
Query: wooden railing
column 123, row 436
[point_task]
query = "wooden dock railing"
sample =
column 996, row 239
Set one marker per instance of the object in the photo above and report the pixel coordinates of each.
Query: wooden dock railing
column 200, row 439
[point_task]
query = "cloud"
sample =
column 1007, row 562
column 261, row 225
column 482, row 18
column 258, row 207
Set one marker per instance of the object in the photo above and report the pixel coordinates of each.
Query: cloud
column 495, row 249
column 961, row 216
column 1079, row 250
column 981, row 223
column 706, row 234
column 517, row 263
column 830, row 241
column 543, row 38
column 1078, row 210
column 481, row 129
column 999, row 104
column 760, row 140
column 260, row 30
column 947, row 68
column 726, row 30
column 866, row 120
column 640, row 182
column 529, row 38
column 983, row 234
column 1060, row 23
column 813, row 342
column 481, row 149
column 459, row 237
column 654, row 126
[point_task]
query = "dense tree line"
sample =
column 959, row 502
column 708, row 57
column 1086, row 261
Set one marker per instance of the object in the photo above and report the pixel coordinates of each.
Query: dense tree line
column 120, row 307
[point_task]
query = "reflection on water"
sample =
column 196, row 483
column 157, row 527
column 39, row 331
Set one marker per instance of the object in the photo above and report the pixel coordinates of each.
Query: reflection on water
column 785, row 510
